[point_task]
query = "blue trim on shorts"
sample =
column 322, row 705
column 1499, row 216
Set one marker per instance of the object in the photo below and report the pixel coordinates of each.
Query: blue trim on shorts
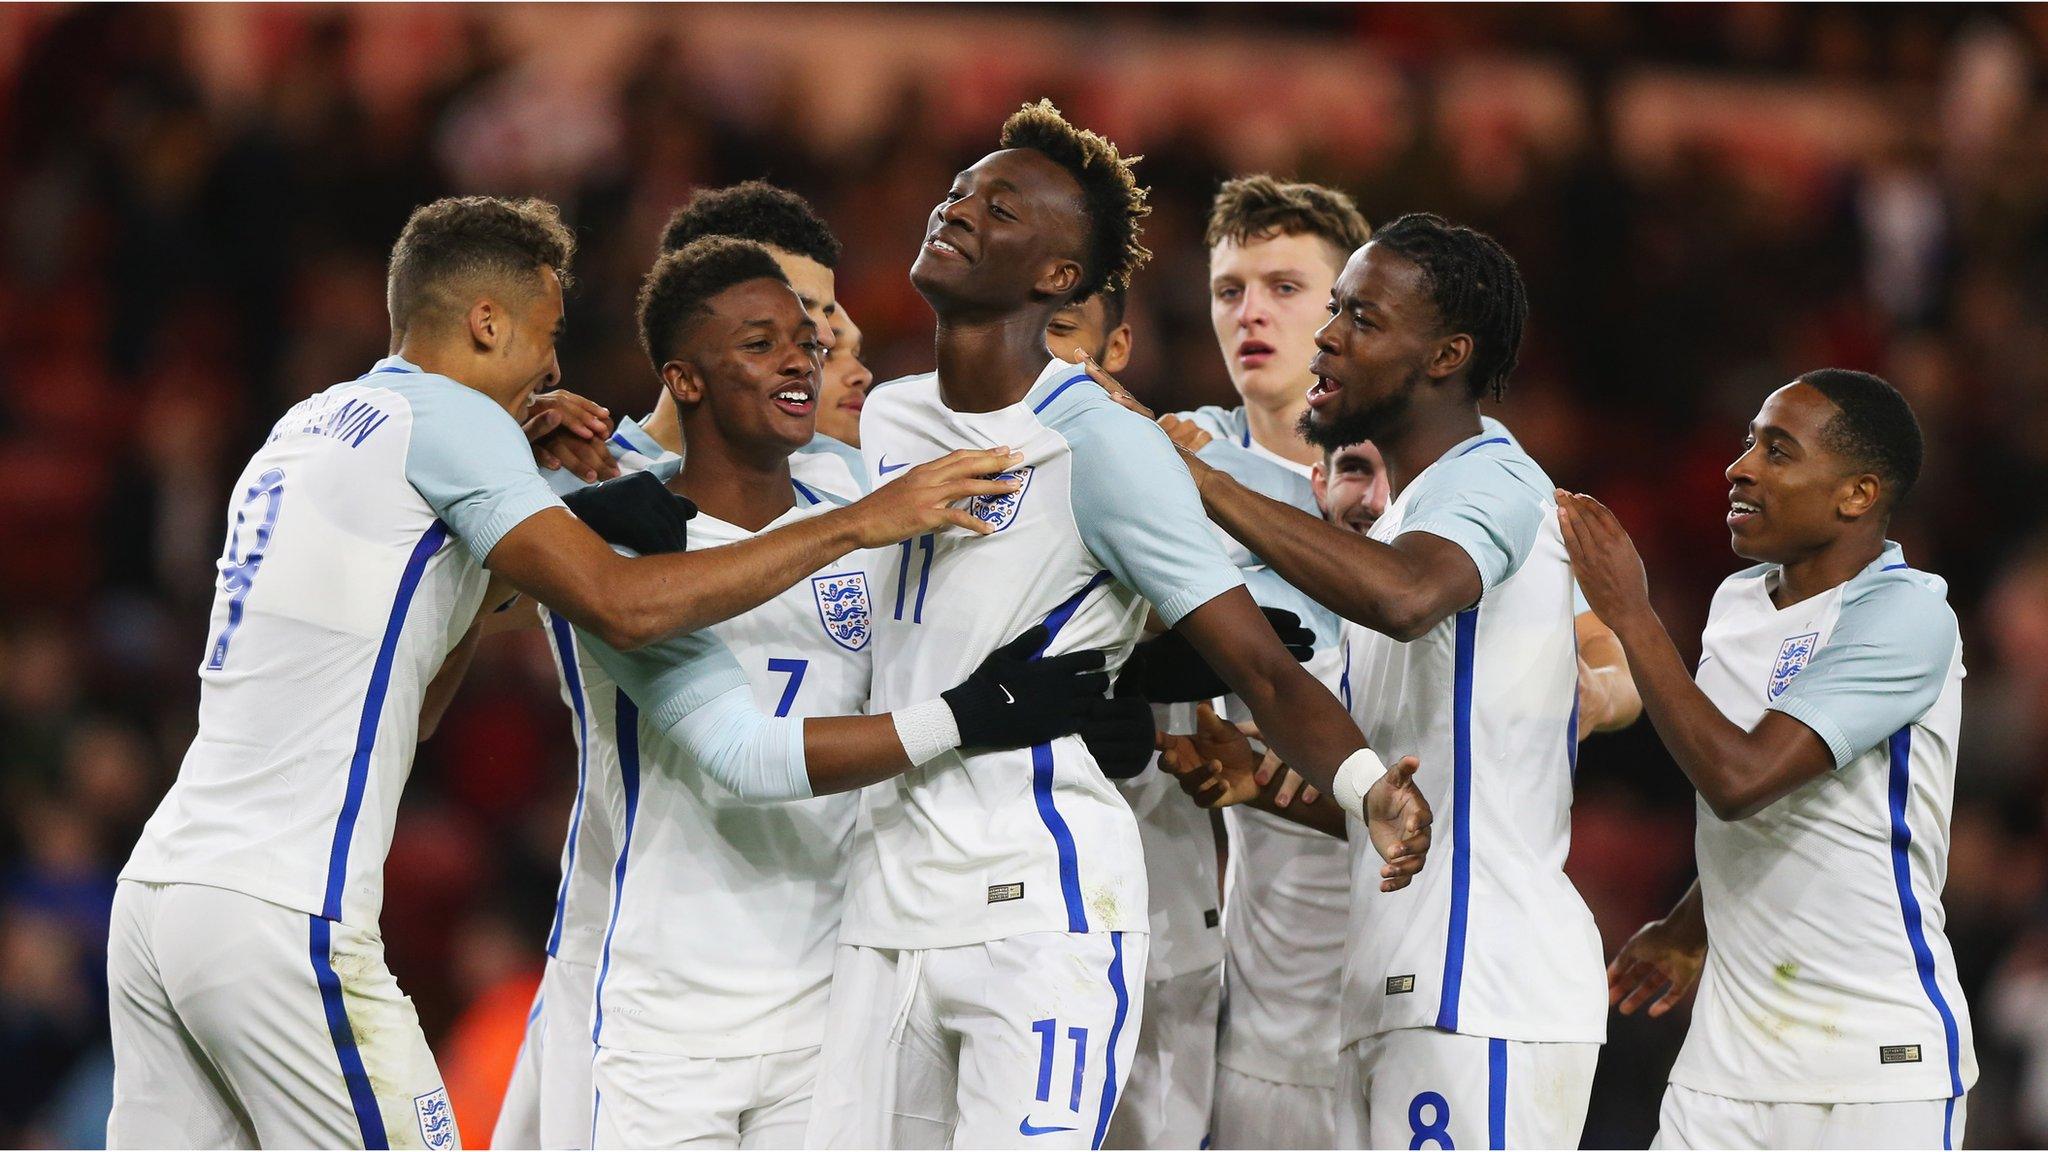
column 369, row 1120
column 1496, row 1093
column 1116, row 1031
column 373, row 711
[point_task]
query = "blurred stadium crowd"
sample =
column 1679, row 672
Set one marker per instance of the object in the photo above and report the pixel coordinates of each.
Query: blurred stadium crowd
column 196, row 203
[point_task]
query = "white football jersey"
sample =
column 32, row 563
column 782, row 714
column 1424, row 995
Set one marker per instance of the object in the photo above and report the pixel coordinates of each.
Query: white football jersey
column 991, row 844
column 1180, row 864
column 826, row 471
column 1828, row 978
column 723, row 913
column 1287, row 917
column 582, row 899
column 1491, row 939
column 353, row 565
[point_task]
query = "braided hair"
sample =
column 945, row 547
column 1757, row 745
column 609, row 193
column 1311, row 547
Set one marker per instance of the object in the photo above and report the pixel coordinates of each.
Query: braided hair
column 1475, row 285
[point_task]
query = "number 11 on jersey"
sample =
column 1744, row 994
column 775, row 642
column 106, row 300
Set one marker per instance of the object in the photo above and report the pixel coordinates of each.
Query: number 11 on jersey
column 238, row 573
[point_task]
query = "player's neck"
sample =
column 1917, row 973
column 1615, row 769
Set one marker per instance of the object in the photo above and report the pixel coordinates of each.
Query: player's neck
column 747, row 489
column 666, row 425
column 1277, row 430
column 1427, row 431
column 985, row 365
column 440, row 359
column 1831, row 567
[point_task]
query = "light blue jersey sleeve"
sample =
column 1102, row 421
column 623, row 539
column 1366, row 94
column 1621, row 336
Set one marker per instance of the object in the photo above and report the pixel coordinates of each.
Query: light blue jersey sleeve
column 1261, row 475
column 470, row 462
column 1489, row 502
column 690, row 687
column 1271, row 591
column 1136, row 505
column 632, row 449
column 1882, row 668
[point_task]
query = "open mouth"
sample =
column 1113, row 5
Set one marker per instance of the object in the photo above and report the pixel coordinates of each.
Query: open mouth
column 1253, row 353
column 796, row 401
column 1742, row 512
column 1322, row 390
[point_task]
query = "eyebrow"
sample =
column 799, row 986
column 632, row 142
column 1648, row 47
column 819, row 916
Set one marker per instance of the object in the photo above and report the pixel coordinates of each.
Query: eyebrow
column 1773, row 430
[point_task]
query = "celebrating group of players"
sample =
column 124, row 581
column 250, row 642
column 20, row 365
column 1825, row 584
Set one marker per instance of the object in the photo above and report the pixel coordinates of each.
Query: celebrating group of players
column 897, row 764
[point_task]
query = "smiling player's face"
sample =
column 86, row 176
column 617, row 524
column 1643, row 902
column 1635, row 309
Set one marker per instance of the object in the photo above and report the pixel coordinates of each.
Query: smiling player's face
column 1084, row 327
column 1009, row 229
column 1787, row 490
column 528, row 352
column 757, row 355
column 1351, row 487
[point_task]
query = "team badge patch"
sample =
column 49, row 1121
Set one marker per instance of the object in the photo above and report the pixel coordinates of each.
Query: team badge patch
column 1792, row 656
column 998, row 511
column 437, row 1119
column 843, row 608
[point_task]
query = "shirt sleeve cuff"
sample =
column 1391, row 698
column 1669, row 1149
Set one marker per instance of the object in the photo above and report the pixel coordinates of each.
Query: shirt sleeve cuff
column 509, row 515
column 1486, row 556
column 1830, row 733
column 1174, row 607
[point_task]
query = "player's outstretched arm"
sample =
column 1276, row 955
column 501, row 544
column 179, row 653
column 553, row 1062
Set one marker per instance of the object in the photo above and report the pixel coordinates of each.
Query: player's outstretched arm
column 1402, row 589
column 1661, row 963
column 1737, row 772
column 1309, row 729
column 629, row 602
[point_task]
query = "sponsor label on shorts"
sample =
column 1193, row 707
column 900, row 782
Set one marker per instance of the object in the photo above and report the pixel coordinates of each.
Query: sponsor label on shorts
column 998, row 893
column 1209, row 918
column 1399, row 984
column 1899, row 1054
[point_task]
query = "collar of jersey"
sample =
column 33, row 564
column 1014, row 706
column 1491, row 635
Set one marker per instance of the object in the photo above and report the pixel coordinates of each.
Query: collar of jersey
column 394, row 364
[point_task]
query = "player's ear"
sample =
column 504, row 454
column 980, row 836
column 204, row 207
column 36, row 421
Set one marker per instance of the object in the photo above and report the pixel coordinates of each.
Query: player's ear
column 683, row 381
column 1859, row 496
column 1116, row 351
column 1318, row 481
column 487, row 325
column 1452, row 353
column 1059, row 278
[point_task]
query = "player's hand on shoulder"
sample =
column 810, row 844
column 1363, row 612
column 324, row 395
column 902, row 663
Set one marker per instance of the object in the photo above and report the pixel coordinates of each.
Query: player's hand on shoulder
column 922, row 499
column 1015, row 698
column 569, row 431
column 1186, row 435
column 1604, row 559
column 1117, row 391
column 635, row 511
column 1659, row 966
column 1398, row 818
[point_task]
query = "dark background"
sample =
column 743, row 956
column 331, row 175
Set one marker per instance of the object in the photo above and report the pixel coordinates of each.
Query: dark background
column 196, row 203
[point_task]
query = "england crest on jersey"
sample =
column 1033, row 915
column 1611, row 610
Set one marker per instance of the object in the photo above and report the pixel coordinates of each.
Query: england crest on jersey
column 998, row 511
column 1792, row 656
column 437, row 1119
column 843, row 608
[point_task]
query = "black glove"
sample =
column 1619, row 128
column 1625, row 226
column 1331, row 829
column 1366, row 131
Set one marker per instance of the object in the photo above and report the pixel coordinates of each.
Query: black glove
column 1013, row 700
column 1167, row 670
column 1119, row 734
column 635, row 510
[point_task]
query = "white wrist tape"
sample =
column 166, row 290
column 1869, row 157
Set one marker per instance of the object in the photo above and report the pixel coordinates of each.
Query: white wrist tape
column 926, row 729
column 1358, row 773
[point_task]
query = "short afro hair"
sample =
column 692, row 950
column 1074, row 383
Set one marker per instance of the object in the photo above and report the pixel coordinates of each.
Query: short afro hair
column 455, row 249
column 681, row 284
column 755, row 210
column 1874, row 427
column 1114, row 199
column 1475, row 285
column 1260, row 207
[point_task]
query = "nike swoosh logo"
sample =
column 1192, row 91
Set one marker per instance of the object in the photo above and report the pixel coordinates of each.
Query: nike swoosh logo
column 885, row 467
column 1026, row 1128
column 1007, row 698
